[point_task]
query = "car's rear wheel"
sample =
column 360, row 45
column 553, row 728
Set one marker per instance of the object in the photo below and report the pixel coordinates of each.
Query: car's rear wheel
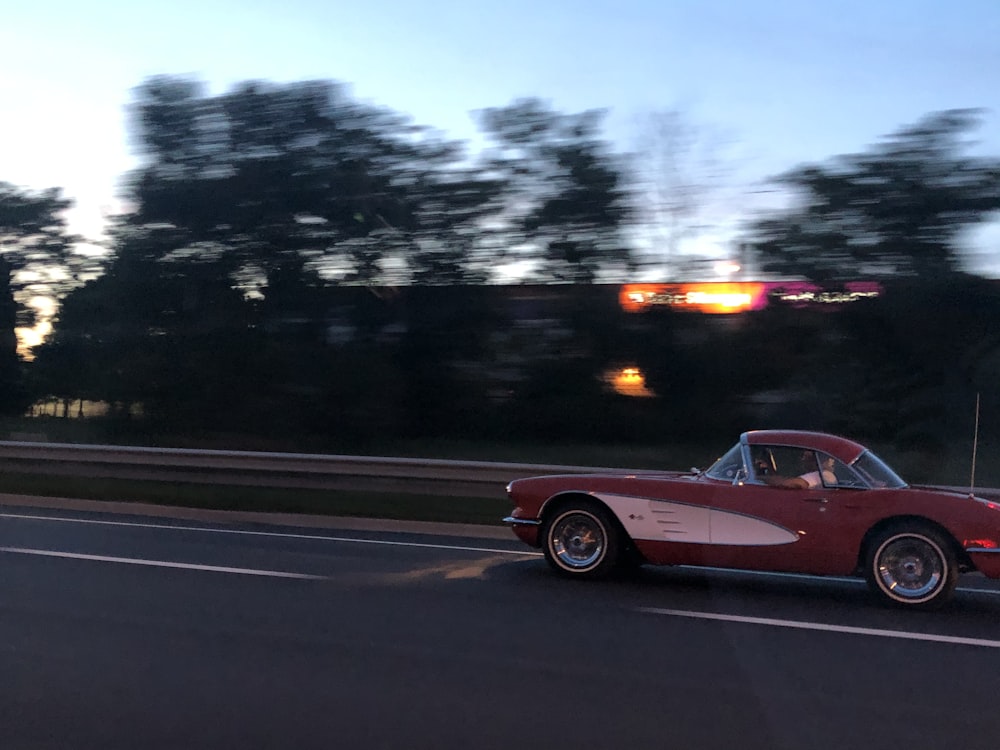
column 911, row 565
column 581, row 539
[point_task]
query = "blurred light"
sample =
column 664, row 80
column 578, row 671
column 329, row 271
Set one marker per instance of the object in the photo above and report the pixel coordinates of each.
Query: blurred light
column 628, row 381
column 705, row 297
column 27, row 338
column 727, row 297
column 727, row 267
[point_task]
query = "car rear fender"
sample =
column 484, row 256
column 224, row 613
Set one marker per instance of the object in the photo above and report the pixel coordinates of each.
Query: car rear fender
column 964, row 562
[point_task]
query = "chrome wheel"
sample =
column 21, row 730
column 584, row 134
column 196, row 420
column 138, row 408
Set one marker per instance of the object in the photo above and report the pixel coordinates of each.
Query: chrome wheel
column 581, row 540
column 578, row 540
column 912, row 566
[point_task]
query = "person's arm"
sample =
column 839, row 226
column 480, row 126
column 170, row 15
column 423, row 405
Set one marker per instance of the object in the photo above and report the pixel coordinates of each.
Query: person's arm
column 789, row 483
column 794, row 483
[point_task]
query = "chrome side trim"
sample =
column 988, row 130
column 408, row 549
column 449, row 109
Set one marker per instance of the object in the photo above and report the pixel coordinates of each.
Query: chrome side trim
column 521, row 521
column 988, row 550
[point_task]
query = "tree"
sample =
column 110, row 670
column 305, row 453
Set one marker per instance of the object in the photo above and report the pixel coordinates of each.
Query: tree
column 300, row 177
column 566, row 201
column 266, row 174
column 35, row 250
column 447, row 234
column 675, row 177
column 161, row 327
column 897, row 210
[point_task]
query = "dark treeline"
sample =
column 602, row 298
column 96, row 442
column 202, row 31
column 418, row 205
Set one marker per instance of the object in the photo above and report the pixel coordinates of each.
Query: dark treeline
column 301, row 266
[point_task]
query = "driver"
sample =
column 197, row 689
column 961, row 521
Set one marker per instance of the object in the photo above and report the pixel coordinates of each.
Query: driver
column 811, row 477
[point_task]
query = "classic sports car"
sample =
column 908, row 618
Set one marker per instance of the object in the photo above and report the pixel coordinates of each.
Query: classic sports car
column 778, row 500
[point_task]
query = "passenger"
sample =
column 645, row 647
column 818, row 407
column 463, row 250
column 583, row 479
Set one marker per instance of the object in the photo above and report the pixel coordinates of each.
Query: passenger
column 812, row 477
column 816, row 478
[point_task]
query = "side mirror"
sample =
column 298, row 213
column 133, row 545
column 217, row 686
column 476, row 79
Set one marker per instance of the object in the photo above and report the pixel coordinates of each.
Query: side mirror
column 741, row 476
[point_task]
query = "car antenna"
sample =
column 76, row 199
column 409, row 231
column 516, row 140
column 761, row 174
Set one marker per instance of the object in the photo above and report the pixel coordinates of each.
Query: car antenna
column 975, row 443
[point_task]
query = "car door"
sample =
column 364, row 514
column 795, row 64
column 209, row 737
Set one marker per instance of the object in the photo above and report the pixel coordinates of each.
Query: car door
column 762, row 526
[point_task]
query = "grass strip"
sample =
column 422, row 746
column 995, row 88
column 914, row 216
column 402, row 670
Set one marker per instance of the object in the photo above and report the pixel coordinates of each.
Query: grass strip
column 264, row 499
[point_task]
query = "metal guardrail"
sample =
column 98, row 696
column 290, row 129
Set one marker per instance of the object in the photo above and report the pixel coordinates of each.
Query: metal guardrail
column 422, row 476
column 263, row 469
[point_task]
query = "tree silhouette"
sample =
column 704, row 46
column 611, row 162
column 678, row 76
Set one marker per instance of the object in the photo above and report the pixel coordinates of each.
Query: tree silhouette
column 567, row 203
column 300, row 176
column 35, row 259
column 898, row 209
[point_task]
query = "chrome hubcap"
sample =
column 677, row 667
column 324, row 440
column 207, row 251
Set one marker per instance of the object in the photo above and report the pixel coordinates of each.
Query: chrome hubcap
column 577, row 540
column 910, row 567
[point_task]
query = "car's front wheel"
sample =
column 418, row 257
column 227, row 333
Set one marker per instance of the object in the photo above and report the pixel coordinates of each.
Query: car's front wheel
column 912, row 565
column 581, row 539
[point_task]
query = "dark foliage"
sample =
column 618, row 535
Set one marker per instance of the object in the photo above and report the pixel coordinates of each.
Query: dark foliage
column 898, row 209
column 309, row 270
column 34, row 242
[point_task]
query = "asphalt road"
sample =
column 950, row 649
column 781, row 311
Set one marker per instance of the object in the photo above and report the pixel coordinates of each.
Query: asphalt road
column 120, row 631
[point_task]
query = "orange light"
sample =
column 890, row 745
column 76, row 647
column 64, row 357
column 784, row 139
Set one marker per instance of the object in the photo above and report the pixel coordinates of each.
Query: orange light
column 715, row 298
column 628, row 381
column 727, row 297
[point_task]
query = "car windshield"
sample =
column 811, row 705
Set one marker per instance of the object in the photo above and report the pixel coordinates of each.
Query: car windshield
column 727, row 466
column 876, row 472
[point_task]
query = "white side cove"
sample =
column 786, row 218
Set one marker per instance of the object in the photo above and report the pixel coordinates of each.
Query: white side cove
column 664, row 520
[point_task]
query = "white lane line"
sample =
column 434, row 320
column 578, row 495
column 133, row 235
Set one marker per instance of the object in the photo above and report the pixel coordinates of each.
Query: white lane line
column 903, row 635
column 162, row 564
column 281, row 535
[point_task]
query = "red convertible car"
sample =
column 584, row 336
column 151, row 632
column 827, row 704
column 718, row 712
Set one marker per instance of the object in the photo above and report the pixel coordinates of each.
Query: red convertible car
column 778, row 500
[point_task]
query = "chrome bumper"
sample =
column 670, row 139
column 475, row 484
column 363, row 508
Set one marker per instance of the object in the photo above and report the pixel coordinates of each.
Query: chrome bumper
column 521, row 521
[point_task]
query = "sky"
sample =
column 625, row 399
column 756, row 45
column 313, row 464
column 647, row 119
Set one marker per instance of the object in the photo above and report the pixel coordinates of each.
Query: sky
column 787, row 82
